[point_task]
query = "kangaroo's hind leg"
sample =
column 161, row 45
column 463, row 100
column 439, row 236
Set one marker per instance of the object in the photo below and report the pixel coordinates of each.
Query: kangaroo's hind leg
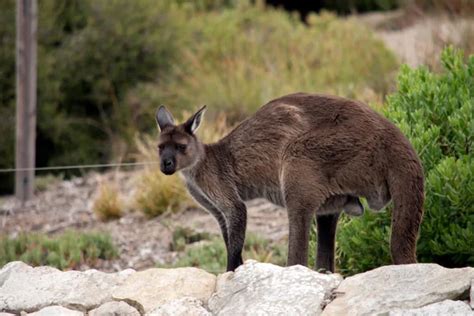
column 303, row 196
column 326, row 227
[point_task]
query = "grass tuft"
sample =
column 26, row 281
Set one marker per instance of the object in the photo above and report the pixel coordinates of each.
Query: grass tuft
column 158, row 194
column 67, row 251
column 108, row 204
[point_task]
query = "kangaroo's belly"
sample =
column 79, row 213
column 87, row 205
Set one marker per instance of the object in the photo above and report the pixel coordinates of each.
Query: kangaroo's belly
column 272, row 194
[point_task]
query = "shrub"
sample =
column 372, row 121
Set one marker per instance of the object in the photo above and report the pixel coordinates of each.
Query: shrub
column 211, row 255
column 67, row 251
column 238, row 59
column 436, row 112
column 107, row 205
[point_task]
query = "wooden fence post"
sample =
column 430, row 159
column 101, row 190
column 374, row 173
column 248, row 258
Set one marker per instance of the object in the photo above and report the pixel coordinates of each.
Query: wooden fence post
column 26, row 27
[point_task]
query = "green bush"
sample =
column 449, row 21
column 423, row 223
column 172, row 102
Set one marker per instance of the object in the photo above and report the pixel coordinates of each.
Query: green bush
column 436, row 112
column 66, row 251
column 238, row 59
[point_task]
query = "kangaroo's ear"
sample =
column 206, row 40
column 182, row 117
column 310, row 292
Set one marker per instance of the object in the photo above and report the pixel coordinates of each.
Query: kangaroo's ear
column 164, row 118
column 193, row 123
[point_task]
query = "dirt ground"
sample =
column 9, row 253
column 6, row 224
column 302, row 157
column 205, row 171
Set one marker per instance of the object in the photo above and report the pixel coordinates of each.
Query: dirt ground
column 417, row 39
column 142, row 242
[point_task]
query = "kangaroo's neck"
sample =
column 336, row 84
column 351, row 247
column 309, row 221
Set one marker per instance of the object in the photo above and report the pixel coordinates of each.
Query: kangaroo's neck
column 214, row 159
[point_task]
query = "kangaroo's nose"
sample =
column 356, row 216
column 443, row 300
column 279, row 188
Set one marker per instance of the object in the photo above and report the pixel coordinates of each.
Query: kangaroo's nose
column 168, row 166
column 168, row 163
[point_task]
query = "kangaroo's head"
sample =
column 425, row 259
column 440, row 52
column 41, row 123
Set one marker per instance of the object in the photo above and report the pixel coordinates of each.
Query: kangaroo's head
column 178, row 146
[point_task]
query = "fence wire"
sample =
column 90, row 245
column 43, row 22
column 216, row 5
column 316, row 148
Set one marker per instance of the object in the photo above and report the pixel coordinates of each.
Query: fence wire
column 90, row 166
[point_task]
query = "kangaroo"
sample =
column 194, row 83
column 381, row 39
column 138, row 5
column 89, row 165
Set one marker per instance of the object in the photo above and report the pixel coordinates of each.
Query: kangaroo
column 315, row 155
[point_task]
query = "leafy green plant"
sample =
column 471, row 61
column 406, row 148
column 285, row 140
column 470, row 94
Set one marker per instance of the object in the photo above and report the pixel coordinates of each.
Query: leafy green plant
column 436, row 112
column 66, row 251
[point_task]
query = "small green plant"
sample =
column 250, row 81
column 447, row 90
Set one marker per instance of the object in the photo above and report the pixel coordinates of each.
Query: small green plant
column 42, row 183
column 436, row 112
column 66, row 251
column 211, row 254
column 107, row 204
column 183, row 236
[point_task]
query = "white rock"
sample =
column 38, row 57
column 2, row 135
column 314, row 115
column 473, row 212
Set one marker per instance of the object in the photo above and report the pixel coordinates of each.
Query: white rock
column 23, row 288
column 187, row 306
column 399, row 286
column 114, row 309
column 266, row 289
column 447, row 307
column 56, row 311
column 6, row 314
column 472, row 294
column 147, row 290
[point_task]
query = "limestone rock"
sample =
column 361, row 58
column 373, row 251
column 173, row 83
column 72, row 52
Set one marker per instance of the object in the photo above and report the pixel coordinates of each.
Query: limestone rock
column 56, row 311
column 266, row 289
column 472, row 294
column 399, row 286
column 147, row 290
column 23, row 288
column 443, row 308
column 186, row 306
column 114, row 309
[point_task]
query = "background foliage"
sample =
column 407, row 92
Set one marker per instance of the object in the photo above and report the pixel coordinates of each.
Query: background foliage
column 104, row 66
column 436, row 112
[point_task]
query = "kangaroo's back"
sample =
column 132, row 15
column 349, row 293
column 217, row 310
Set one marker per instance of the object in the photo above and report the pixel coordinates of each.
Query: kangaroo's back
column 260, row 143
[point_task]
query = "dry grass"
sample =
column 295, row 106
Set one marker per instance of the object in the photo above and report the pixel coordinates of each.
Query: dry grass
column 158, row 194
column 108, row 204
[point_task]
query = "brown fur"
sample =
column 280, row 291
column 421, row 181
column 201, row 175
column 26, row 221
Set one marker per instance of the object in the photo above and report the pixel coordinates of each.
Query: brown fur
column 314, row 155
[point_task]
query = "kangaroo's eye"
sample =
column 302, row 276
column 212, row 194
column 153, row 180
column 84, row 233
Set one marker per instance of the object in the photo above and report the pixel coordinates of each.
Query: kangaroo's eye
column 181, row 147
column 161, row 147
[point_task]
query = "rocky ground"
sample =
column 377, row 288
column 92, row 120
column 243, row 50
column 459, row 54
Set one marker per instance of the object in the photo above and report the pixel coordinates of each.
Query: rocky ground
column 253, row 289
column 142, row 242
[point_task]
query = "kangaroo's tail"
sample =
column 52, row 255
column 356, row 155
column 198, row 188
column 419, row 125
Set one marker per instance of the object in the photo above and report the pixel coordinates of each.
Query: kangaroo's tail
column 406, row 187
